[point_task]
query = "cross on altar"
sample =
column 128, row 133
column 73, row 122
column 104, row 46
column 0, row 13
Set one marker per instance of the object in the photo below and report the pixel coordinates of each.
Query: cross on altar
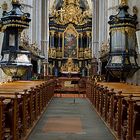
column 61, row 13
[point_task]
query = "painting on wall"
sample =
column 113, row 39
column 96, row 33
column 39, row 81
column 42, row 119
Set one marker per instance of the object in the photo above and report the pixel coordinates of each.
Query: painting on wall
column 70, row 42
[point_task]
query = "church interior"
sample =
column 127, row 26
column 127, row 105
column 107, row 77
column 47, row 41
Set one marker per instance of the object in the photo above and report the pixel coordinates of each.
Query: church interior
column 70, row 69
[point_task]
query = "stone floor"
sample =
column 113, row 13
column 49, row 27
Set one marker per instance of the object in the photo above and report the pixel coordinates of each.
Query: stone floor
column 65, row 119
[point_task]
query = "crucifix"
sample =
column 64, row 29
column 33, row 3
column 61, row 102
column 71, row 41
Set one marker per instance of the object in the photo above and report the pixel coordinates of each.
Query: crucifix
column 61, row 13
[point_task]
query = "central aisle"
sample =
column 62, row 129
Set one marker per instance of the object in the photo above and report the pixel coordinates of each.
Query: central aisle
column 66, row 120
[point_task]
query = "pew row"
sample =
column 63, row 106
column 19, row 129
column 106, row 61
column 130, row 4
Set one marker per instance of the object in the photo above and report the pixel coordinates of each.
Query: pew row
column 118, row 104
column 21, row 105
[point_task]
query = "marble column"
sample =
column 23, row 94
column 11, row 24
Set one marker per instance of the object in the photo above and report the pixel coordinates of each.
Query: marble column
column 102, row 23
column 36, row 22
column 95, row 28
column 45, row 34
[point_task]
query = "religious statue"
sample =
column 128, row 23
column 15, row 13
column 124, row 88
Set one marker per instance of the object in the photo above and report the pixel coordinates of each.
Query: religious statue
column 70, row 12
column 69, row 67
column 124, row 2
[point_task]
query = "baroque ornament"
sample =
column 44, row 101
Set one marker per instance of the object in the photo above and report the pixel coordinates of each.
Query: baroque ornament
column 70, row 12
column 124, row 2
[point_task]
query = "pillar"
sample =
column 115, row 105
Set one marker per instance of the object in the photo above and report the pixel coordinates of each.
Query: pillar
column 59, row 40
column 45, row 34
column 95, row 28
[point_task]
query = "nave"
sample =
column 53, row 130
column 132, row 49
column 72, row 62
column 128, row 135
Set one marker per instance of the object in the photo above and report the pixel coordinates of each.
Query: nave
column 65, row 119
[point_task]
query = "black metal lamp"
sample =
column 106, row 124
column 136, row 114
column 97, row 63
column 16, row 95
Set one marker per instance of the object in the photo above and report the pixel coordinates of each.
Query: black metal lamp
column 15, row 61
column 122, row 56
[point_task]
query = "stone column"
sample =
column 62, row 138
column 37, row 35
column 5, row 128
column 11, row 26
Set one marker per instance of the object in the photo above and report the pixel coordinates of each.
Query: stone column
column 36, row 22
column 45, row 34
column 95, row 28
column 102, row 23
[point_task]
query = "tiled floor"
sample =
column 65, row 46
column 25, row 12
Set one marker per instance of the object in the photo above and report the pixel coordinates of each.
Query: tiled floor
column 66, row 120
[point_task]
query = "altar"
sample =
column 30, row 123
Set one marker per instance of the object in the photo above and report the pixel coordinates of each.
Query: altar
column 67, row 85
column 69, row 69
column 70, row 39
column 70, row 74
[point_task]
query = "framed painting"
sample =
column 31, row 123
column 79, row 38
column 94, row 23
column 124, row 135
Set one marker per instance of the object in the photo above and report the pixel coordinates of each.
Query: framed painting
column 70, row 44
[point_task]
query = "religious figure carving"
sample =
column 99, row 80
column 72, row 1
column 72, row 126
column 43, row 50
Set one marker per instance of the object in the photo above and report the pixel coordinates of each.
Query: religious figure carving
column 69, row 67
column 70, row 12
column 124, row 2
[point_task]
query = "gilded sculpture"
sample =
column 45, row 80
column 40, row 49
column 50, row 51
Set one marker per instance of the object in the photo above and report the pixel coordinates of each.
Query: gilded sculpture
column 69, row 67
column 70, row 12
column 124, row 2
column 4, row 6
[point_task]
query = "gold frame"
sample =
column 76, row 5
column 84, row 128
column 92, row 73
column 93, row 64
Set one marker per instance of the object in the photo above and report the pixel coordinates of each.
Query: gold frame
column 77, row 36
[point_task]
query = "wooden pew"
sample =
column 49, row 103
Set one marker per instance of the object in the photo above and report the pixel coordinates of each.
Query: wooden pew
column 25, row 107
column 113, row 106
column 2, row 120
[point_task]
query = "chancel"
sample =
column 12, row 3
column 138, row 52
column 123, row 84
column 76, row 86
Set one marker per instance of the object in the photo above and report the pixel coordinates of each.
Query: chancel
column 70, row 37
column 69, row 69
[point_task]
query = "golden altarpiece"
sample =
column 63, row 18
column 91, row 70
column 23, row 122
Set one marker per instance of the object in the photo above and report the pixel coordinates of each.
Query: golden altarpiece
column 70, row 39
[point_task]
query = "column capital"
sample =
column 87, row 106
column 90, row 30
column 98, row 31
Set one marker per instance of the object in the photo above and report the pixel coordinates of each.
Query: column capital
column 88, row 33
column 81, row 34
column 52, row 32
column 59, row 34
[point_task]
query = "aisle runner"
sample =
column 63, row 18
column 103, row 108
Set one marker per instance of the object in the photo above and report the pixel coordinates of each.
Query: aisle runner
column 63, row 125
column 69, row 119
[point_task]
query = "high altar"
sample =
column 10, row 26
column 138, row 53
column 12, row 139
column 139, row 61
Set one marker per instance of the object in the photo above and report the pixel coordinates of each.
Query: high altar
column 70, row 39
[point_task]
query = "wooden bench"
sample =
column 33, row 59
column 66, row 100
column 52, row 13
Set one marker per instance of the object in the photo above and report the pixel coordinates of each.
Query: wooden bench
column 115, row 106
column 23, row 102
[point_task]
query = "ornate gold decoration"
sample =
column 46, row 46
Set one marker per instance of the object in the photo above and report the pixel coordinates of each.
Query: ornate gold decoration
column 24, row 42
column 15, row 1
column 87, row 53
column 124, row 2
column 104, row 49
column 51, row 69
column 69, row 67
column 59, row 53
column 130, row 31
column 4, row 6
column 70, row 13
column 135, row 10
column 52, row 53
